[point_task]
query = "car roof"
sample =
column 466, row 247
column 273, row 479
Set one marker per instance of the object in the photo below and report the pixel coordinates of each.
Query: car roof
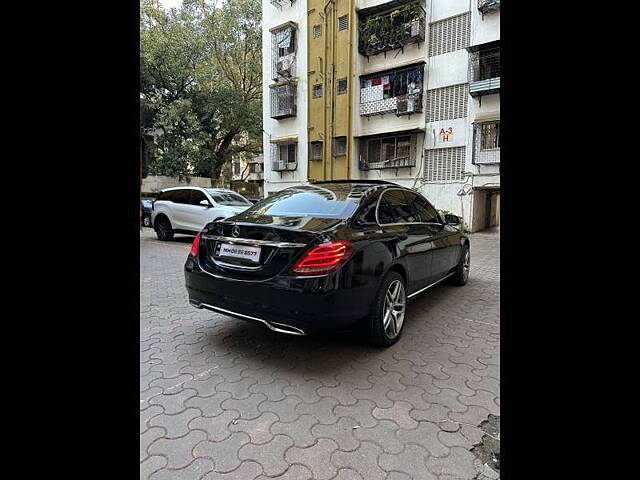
column 188, row 187
column 381, row 183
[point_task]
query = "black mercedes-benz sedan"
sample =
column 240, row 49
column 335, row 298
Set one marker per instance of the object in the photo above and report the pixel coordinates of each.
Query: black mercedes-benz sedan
column 326, row 256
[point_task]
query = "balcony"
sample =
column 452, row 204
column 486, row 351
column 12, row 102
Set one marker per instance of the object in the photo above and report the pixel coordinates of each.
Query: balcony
column 391, row 29
column 393, row 91
column 388, row 151
column 283, row 52
column 486, row 6
column 484, row 69
column 283, row 101
column 486, row 143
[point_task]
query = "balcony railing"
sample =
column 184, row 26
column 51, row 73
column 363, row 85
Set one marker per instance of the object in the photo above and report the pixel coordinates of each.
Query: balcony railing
column 486, row 143
column 389, row 151
column 484, row 70
column 391, row 30
column 486, row 6
column 394, row 91
column 283, row 101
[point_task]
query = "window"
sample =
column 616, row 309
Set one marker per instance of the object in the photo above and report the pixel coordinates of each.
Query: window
column 228, row 198
column 316, row 151
column 283, row 50
column 489, row 135
column 342, row 86
column 339, row 146
column 395, row 208
column 317, row 31
column 284, row 156
column 181, row 196
column 486, row 142
column 343, row 22
column 255, row 167
column 425, row 210
column 367, row 215
column 317, row 91
column 392, row 29
column 305, row 201
column 197, row 196
column 391, row 151
column 165, row 196
column 450, row 34
column 236, row 168
column 484, row 62
column 283, row 101
column 448, row 103
column 444, row 164
column 398, row 90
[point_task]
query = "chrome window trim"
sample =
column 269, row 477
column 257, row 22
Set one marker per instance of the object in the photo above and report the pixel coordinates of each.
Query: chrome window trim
column 249, row 241
column 405, row 223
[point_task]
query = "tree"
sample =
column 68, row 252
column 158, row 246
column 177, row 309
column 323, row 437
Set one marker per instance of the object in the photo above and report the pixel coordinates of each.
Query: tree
column 201, row 84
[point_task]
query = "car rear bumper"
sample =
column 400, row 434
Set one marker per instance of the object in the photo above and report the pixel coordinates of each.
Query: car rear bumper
column 294, row 305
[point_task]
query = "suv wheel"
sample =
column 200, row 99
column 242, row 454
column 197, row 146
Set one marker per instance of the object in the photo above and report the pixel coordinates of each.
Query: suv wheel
column 387, row 319
column 462, row 270
column 163, row 228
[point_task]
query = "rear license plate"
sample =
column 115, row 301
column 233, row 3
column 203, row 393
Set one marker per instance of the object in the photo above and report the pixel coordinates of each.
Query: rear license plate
column 239, row 251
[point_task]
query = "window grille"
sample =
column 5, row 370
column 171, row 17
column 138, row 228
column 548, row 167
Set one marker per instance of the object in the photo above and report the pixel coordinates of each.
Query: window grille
column 388, row 151
column 283, row 101
column 317, row 91
column 284, row 157
column 339, row 146
column 343, row 22
column 484, row 70
column 392, row 29
column 486, row 6
column 450, row 34
column 486, row 142
column 398, row 91
column 447, row 103
column 280, row 3
column 444, row 164
column 342, row 86
column 317, row 31
column 283, row 53
column 316, row 151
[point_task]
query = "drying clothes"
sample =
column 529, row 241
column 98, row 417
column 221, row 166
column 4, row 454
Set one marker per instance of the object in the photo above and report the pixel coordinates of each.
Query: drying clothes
column 385, row 79
column 376, row 81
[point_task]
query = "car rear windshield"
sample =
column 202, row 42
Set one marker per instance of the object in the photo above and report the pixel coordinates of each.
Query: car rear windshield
column 228, row 198
column 307, row 201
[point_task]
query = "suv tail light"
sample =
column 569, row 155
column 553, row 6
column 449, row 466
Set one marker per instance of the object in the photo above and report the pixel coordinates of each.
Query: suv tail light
column 195, row 246
column 323, row 258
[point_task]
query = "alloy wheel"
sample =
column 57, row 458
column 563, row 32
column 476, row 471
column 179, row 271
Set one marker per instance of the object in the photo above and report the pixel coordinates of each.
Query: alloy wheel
column 466, row 264
column 394, row 308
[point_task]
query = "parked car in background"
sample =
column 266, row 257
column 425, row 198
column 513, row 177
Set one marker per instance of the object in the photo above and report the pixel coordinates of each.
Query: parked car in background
column 189, row 209
column 326, row 256
column 145, row 204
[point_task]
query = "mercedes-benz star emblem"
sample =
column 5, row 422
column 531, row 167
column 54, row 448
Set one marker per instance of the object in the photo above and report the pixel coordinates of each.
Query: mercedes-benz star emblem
column 236, row 231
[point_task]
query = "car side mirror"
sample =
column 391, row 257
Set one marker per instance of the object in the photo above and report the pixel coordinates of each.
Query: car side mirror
column 205, row 203
column 452, row 219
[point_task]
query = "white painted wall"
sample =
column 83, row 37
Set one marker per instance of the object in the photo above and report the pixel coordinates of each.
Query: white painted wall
column 294, row 126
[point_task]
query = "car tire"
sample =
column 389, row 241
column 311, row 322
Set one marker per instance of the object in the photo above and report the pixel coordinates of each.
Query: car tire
column 163, row 229
column 381, row 334
column 461, row 275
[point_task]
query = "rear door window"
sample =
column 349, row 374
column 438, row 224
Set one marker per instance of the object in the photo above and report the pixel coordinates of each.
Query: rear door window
column 425, row 210
column 165, row 196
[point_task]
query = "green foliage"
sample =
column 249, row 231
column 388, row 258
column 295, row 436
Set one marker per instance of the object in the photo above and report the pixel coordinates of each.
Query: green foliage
column 200, row 84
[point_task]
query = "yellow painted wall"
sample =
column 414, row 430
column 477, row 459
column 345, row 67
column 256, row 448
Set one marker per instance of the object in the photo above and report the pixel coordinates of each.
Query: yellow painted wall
column 330, row 59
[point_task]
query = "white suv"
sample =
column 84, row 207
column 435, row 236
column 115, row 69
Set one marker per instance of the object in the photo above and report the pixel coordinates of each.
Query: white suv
column 189, row 209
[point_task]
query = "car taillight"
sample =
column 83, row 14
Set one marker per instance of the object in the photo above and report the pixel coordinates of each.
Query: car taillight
column 194, row 246
column 323, row 258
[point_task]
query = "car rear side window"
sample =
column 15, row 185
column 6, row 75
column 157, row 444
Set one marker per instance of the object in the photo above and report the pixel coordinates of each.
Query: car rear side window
column 306, row 201
column 165, row 196
column 396, row 208
column 197, row 196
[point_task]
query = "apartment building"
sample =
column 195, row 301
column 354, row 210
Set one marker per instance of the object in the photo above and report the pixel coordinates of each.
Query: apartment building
column 247, row 175
column 406, row 91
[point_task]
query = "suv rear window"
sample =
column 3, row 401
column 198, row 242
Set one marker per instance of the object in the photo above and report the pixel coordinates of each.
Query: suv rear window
column 306, row 201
